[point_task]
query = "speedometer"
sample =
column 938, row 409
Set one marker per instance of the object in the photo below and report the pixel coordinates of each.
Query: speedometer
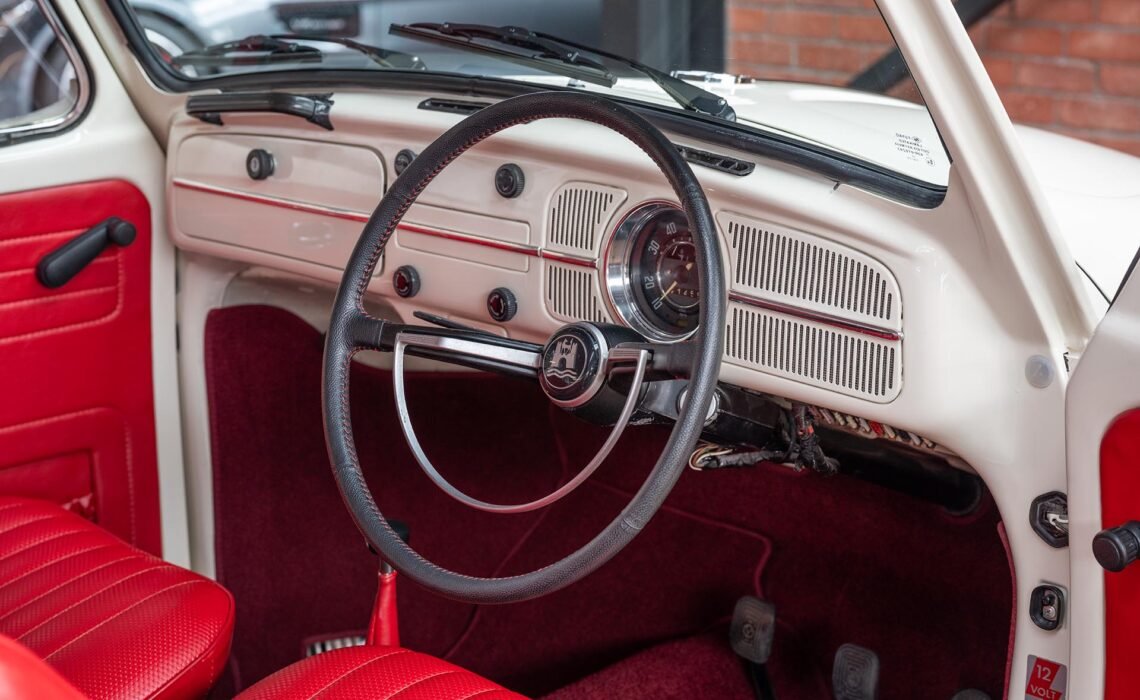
column 651, row 272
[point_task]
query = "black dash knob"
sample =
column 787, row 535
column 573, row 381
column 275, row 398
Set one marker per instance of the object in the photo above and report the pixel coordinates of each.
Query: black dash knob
column 406, row 281
column 509, row 180
column 403, row 159
column 259, row 164
column 1117, row 547
column 502, row 305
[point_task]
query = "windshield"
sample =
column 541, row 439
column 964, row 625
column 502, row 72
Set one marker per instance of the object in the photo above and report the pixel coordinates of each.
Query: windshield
column 829, row 77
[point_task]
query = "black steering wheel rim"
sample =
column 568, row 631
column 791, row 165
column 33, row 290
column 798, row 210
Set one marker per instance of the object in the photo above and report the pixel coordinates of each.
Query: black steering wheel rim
column 348, row 313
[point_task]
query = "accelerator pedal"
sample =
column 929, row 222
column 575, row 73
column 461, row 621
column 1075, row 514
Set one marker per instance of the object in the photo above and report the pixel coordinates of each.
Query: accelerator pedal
column 750, row 635
column 855, row 675
column 320, row 646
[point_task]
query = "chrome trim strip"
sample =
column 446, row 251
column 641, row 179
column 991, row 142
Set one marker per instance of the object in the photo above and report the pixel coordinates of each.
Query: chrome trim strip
column 279, row 202
column 568, row 259
column 825, row 319
column 362, row 218
column 82, row 79
column 519, row 248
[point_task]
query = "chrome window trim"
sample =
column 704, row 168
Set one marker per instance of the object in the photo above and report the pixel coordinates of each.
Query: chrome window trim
column 20, row 131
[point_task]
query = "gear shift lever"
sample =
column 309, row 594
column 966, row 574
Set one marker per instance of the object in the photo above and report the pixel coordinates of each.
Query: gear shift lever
column 384, row 627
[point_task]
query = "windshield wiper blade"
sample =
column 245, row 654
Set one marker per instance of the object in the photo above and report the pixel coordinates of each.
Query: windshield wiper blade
column 513, row 44
column 568, row 54
column 268, row 49
column 272, row 48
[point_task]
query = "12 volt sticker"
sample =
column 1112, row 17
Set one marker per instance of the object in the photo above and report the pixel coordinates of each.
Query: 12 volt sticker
column 1045, row 679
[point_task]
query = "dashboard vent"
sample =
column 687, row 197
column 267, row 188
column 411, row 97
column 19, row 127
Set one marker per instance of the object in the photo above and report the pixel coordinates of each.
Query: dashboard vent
column 579, row 213
column 844, row 361
column 811, row 273
column 439, row 104
column 716, row 161
column 572, row 294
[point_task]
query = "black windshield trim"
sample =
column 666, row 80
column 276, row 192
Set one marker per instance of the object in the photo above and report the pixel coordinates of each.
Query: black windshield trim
column 836, row 166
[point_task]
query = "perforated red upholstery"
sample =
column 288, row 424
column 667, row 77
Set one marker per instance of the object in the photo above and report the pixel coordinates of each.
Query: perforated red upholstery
column 112, row 620
column 25, row 675
column 375, row 673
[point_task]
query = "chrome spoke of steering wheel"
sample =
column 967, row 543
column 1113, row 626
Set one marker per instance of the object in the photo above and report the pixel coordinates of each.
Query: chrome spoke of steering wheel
column 479, row 349
column 467, row 348
column 619, row 359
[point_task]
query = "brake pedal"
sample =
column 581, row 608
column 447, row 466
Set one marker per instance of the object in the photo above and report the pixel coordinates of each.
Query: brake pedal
column 750, row 635
column 855, row 675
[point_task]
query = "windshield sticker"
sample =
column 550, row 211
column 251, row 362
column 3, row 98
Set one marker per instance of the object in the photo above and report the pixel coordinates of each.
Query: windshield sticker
column 913, row 148
column 1045, row 679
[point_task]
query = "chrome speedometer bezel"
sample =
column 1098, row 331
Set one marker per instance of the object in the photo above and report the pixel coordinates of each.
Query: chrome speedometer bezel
column 617, row 266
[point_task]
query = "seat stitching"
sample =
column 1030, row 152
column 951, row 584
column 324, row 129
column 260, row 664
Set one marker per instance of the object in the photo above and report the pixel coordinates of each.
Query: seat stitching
column 10, row 530
column 425, row 679
column 53, row 538
column 53, row 562
column 10, row 506
column 88, row 598
column 353, row 670
column 125, row 610
column 62, row 585
column 477, row 693
column 221, row 638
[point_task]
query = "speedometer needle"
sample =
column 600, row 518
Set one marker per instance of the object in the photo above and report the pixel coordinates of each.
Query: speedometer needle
column 668, row 291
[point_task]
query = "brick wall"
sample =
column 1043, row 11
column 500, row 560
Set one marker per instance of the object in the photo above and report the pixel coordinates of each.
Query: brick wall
column 1071, row 66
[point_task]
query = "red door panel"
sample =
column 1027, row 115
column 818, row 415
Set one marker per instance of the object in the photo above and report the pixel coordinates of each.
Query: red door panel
column 1120, row 502
column 77, row 407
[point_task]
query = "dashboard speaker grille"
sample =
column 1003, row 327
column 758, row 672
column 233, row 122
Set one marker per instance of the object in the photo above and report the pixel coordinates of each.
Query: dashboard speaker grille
column 811, row 273
column 579, row 213
column 843, row 361
column 572, row 294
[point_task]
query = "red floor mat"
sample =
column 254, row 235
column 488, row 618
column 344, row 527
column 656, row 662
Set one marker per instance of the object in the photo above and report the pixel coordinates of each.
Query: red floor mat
column 852, row 562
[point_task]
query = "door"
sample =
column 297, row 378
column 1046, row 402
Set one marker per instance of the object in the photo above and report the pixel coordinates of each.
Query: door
column 1103, row 425
column 79, row 341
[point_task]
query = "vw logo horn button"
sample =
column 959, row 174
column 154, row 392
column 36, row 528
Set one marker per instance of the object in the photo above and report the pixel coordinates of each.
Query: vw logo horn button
column 573, row 365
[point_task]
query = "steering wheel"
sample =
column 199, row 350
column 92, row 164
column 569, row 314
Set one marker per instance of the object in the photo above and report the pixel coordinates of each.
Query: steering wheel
column 595, row 370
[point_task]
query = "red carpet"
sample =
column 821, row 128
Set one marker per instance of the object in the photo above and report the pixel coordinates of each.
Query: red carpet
column 843, row 560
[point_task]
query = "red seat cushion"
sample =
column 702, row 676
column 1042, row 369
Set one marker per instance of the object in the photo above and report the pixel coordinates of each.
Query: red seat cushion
column 375, row 673
column 25, row 675
column 114, row 621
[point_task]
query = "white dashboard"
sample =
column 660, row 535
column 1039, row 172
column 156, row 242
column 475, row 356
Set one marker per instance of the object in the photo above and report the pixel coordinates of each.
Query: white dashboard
column 818, row 272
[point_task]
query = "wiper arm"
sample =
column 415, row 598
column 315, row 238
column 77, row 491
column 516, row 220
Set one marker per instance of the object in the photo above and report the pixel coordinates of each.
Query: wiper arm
column 274, row 48
column 551, row 48
column 517, row 45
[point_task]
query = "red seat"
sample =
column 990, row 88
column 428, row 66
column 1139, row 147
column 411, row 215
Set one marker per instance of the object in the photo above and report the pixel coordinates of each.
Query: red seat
column 375, row 673
column 114, row 621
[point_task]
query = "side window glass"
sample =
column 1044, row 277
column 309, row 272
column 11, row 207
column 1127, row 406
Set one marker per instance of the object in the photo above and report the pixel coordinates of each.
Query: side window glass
column 41, row 88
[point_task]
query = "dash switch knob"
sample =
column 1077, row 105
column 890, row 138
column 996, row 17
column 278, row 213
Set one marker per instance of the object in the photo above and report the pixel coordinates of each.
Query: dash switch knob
column 502, row 304
column 406, row 281
column 259, row 164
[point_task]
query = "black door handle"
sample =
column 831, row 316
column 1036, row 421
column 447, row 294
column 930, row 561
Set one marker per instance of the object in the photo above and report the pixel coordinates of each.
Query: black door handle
column 1117, row 547
column 59, row 266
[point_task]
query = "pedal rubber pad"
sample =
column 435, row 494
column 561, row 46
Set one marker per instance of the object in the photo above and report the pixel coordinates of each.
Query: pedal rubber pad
column 855, row 675
column 753, row 627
